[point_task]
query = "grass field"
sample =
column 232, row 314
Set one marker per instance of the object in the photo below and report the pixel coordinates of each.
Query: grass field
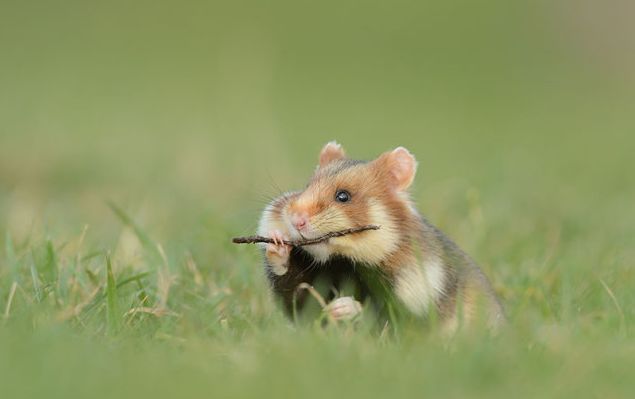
column 137, row 138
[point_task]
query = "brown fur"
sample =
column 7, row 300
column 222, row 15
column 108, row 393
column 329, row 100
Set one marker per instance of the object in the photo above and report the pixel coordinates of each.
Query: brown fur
column 409, row 254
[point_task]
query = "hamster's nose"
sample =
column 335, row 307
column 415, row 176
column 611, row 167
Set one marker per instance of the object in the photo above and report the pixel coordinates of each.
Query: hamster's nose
column 300, row 221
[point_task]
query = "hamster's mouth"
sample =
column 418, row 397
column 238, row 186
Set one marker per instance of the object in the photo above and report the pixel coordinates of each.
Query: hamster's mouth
column 305, row 235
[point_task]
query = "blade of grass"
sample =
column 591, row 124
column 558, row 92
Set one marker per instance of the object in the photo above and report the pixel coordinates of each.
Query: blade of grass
column 7, row 309
column 141, row 235
column 136, row 277
column 50, row 265
column 37, row 288
column 620, row 312
column 112, row 304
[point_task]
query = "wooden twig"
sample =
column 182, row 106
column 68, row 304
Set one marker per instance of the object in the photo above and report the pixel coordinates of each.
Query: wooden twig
column 300, row 243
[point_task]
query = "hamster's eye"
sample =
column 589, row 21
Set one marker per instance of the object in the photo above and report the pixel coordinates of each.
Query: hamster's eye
column 342, row 196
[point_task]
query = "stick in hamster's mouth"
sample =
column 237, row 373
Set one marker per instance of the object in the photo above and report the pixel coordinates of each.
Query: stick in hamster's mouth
column 304, row 241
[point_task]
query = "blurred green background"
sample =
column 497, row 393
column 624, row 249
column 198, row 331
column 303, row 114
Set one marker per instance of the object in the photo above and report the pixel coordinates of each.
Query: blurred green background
column 189, row 115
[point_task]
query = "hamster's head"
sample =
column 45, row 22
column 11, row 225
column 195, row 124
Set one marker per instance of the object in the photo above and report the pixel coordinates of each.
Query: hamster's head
column 345, row 193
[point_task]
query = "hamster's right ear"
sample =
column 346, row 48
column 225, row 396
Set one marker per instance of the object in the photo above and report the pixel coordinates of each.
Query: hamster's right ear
column 401, row 166
column 331, row 152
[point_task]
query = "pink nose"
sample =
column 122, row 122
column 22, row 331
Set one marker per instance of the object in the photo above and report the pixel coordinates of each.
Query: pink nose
column 300, row 221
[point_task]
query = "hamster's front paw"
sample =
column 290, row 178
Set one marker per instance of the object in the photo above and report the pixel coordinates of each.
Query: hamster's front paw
column 278, row 253
column 344, row 308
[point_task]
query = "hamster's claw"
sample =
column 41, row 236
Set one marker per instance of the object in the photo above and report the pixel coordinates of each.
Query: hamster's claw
column 278, row 253
column 278, row 237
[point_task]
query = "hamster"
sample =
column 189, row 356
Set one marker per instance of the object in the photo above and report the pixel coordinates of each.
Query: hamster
column 408, row 262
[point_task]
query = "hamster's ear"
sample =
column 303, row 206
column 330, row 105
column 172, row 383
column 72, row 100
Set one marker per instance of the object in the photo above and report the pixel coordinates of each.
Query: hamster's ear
column 401, row 166
column 331, row 152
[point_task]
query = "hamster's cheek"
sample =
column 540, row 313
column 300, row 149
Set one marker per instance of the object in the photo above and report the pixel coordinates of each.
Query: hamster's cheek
column 330, row 220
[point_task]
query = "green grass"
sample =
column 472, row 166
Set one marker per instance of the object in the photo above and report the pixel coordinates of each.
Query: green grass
column 137, row 140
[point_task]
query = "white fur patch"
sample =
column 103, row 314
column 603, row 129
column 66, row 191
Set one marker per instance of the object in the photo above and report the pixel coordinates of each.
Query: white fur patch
column 320, row 252
column 371, row 246
column 270, row 221
column 278, row 269
column 417, row 286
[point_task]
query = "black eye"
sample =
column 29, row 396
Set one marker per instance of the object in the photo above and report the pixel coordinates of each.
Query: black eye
column 342, row 196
